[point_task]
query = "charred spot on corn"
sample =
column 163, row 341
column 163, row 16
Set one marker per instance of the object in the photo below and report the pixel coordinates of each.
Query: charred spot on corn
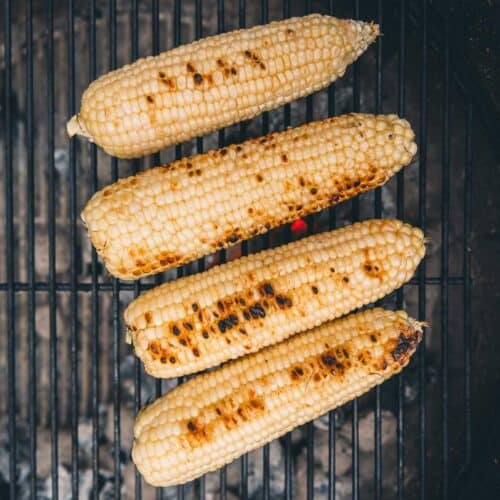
column 364, row 357
column 168, row 82
column 406, row 344
column 254, row 58
column 283, row 302
column 157, row 352
column 296, row 373
column 198, row 79
column 372, row 269
column 328, row 359
column 154, row 347
column 257, row 311
column 267, row 289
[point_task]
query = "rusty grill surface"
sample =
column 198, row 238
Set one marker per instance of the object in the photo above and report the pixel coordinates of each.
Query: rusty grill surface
column 71, row 386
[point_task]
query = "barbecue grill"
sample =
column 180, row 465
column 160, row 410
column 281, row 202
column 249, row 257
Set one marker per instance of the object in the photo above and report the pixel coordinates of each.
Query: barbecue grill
column 71, row 386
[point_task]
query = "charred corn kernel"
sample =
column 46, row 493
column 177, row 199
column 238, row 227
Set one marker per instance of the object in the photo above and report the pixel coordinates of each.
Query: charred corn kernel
column 216, row 417
column 212, row 83
column 231, row 310
column 170, row 215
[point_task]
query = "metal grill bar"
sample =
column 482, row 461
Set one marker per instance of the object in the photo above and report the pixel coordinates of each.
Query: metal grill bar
column 94, row 276
column 155, row 160
column 332, row 438
column 115, row 299
column 266, row 239
column 445, row 216
column 30, row 237
column 311, row 222
column 43, row 286
column 355, row 217
column 378, row 214
column 422, row 203
column 178, row 154
column 51, row 213
column 467, row 285
column 244, row 251
column 136, row 165
column 200, row 486
column 400, row 213
column 74, row 396
column 9, row 250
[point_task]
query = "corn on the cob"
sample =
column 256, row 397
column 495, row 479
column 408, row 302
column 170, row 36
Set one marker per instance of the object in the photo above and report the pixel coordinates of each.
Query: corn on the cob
column 231, row 310
column 171, row 215
column 212, row 83
column 216, row 417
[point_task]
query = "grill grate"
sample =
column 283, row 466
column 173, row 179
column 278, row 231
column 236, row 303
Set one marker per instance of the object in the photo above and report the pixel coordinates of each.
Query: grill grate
column 84, row 352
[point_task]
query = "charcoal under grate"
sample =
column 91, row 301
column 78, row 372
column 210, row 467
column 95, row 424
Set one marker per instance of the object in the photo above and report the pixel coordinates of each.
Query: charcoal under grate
column 71, row 385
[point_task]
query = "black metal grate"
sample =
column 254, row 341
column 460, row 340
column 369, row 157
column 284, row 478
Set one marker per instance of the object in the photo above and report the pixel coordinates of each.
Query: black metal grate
column 51, row 51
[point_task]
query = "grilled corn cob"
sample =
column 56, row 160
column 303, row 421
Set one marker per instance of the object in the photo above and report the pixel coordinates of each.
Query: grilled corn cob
column 170, row 215
column 218, row 416
column 212, row 83
column 231, row 310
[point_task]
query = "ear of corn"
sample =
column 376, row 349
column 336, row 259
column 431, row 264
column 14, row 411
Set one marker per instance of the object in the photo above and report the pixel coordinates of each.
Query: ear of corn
column 218, row 416
column 212, row 83
column 170, row 215
column 231, row 310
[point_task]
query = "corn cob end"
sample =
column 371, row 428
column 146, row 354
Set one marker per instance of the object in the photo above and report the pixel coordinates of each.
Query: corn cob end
column 361, row 35
column 76, row 127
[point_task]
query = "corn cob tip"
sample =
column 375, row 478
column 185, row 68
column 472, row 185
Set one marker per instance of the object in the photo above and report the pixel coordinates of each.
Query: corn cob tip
column 361, row 34
column 128, row 336
column 75, row 127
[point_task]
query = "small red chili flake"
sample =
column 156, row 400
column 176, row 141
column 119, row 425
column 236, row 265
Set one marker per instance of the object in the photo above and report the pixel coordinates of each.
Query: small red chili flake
column 299, row 226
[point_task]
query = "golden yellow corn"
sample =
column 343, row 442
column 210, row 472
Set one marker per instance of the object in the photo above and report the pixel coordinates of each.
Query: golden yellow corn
column 170, row 215
column 212, row 83
column 231, row 310
column 218, row 416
